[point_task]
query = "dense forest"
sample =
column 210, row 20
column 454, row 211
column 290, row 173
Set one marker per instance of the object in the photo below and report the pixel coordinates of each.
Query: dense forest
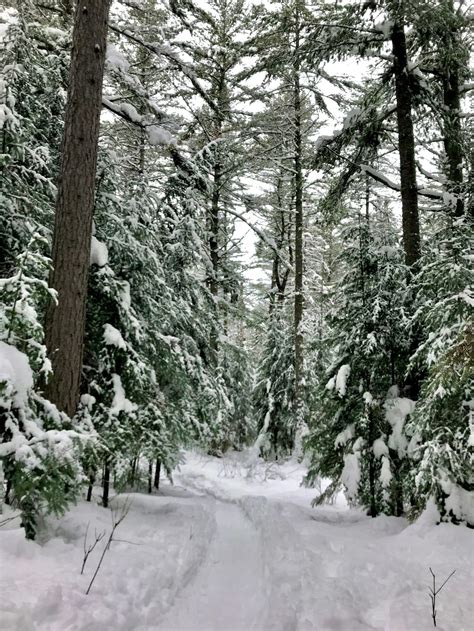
column 237, row 226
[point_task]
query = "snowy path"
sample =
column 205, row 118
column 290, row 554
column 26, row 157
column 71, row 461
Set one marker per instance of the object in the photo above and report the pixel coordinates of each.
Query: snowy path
column 331, row 569
column 227, row 592
column 233, row 548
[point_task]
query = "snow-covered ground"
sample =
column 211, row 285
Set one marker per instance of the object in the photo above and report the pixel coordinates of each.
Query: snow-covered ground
column 235, row 546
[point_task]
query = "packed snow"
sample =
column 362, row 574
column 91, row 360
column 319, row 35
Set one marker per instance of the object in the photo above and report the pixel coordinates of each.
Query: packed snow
column 234, row 545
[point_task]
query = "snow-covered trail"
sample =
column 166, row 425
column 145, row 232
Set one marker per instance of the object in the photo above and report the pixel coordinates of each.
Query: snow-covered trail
column 236, row 546
column 227, row 592
column 333, row 569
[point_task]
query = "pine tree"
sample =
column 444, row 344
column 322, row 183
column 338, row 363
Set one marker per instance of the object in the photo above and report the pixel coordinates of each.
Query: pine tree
column 38, row 449
column 289, row 123
column 442, row 33
column 353, row 442
column 34, row 64
column 440, row 429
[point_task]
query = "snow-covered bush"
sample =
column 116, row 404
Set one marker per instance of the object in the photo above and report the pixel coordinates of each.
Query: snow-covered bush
column 273, row 391
column 39, row 448
column 441, row 428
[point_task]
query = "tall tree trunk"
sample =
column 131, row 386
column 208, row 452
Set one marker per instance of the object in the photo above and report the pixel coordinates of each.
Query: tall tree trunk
column 453, row 139
column 373, row 512
column 214, row 219
column 156, row 481
column 214, row 229
column 150, row 476
column 214, row 226
column 141, row 153
column 453, row 144
column 90, row 488
column 299, row 254
column 75, row 203
column 8, row 490
column 106, row 484
column 406, row 145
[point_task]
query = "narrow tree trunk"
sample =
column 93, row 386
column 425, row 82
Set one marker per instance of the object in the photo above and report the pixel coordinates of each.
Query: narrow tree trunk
column 406, row 146
column 91, row 486
column 75, row 202
column 150, row 476
column 141, row 153
column 367, row 201
column 106, row 484
column 299, row 255
column 214, row 230
column 373, row 512
column 214, row 219
column 136, row 473
column 133, row 468
column 453, row 144
column 399, row 503
column 156, row 481
column 219, row 90
column 8, row 490
column 406, row 149
column 453, row 139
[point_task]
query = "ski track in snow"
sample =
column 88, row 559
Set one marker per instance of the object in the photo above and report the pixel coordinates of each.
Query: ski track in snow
column 328, row 569
column 236, row 549
column 226, row 593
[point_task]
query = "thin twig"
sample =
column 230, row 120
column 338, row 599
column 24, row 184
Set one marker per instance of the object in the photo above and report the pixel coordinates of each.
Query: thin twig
column 90, row 548
column 433, row 592
column 8, row 519
column 117, row 518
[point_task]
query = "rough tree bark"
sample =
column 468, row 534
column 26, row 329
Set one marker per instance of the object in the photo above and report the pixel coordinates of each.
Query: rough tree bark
column 216, row 221
column 156, row 481
column 406, row 143
column 106, row 484
column 299, row 254
column 280, row 278
column 214, row 217
column 75, row 202
column 214, row 225
column 150, row 476
column 453, row 143
column 453, row 138
column 90, row 488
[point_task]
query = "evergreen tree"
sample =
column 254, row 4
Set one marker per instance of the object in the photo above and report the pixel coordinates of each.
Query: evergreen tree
column 40, row 454
column 440, row 429
column 353, row 441
column 39, row 450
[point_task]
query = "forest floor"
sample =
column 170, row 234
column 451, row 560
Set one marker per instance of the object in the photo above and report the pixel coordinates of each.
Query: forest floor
column 234, row 545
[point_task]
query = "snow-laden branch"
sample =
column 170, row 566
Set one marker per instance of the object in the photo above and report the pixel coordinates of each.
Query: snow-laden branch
column 156, row 135
column 172, row 56
column 259, row 233
column 431, row 193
